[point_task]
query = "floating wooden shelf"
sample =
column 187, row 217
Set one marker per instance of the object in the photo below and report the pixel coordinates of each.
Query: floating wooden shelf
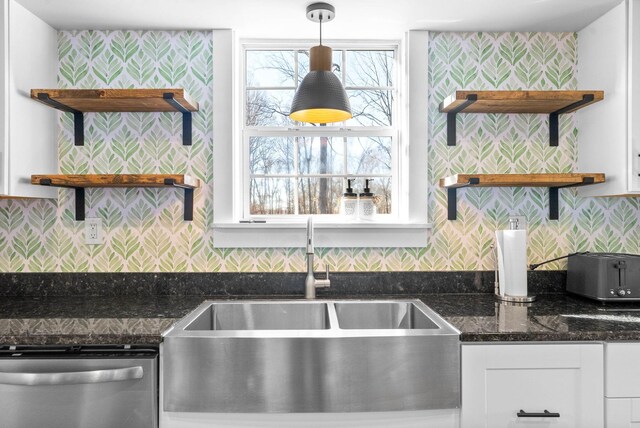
column 81, row 181
column 552, row 181
column 552, row 103
column 80, row 101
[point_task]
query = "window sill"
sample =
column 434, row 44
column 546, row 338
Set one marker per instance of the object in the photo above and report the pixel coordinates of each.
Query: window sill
column 328, row 235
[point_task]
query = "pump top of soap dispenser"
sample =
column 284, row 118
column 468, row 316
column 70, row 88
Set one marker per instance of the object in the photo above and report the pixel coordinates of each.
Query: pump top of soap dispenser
column 514, row 224
column 366, row 191
column 349, row 193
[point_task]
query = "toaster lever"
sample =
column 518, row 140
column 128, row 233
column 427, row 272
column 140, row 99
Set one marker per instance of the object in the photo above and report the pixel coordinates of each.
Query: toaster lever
column 621, row 266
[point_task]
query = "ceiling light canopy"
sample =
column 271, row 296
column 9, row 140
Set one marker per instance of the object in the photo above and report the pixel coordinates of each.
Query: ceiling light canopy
column 320, row 98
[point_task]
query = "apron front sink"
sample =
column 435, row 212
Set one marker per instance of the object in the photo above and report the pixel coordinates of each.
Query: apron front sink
column 310, row 356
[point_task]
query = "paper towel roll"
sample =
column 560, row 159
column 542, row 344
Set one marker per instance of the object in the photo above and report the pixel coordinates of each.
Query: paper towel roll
column 512, row 262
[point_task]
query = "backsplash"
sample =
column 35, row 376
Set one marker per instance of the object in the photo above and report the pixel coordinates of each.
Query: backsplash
column 144, row 230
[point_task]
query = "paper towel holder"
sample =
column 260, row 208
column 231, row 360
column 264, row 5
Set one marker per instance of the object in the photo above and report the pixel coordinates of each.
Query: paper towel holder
column 506, row 297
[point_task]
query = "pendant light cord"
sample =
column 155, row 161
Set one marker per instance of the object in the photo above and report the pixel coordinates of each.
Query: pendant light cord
column 320, row 28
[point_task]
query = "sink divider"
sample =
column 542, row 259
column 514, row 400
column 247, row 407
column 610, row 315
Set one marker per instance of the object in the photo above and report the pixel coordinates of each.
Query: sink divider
column 333, row 316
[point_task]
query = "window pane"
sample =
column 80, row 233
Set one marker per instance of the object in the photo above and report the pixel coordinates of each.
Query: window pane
column 369, row 155
column 303, row 64
column 319, row 195
column 271, row 155
column 271, row 196
column 381, row 188
column 321, row 155
column 336, row 66
column 269, row 108
column 370, row 68
column 270, row 68
column 371, row 107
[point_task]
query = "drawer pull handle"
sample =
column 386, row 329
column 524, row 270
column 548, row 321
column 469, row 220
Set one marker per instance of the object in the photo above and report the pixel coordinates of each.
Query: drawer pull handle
column 545, row 414
column 72, row 378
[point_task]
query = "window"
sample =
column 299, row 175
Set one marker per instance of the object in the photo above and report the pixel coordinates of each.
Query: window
column 293, row 168
column 269, row 173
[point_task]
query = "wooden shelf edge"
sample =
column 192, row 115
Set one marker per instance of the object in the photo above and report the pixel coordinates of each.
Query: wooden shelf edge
column 521, row 180
column 77, row 98
column 116, row 180
column 453, row 101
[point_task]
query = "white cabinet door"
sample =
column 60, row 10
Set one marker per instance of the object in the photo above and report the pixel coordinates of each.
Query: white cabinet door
column 634, row 93
column 28, row 140
column 622, row 385
column 608, row 141
column 622, row 412
column 501, row 382
column 622, row 372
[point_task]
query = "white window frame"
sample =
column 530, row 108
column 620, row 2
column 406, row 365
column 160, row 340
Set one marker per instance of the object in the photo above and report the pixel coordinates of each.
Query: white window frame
column 407, row 227
column 334, row 131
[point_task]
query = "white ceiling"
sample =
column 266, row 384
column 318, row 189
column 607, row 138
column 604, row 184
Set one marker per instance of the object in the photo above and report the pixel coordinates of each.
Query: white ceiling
column 354, row 18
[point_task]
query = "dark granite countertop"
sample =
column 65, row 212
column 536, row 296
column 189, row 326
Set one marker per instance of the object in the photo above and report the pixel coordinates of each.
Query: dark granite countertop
column 68, row 320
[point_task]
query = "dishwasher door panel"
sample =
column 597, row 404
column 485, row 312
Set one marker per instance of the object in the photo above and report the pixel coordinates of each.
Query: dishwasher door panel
column 78, row 392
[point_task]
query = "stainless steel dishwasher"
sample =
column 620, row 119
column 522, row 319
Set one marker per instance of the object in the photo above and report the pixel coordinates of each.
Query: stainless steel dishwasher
column 78, row 387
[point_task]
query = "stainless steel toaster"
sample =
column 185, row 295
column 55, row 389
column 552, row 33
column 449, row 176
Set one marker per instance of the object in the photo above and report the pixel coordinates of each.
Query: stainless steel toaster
column 605, row 276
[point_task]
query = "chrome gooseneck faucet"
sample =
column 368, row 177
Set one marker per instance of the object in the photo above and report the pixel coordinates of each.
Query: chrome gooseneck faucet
column 311, row 283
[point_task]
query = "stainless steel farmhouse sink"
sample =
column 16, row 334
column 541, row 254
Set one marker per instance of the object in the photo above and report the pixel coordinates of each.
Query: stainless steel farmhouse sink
column 310, row 356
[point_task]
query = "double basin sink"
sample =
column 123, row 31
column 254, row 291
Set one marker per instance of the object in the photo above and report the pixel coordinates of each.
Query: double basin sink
column 311, row 356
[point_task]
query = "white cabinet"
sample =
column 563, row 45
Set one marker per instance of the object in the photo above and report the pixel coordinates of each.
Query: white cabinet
column 609, row 131
column 622, row 412
column 500, row 381
column 28, row 55
column 622, row 387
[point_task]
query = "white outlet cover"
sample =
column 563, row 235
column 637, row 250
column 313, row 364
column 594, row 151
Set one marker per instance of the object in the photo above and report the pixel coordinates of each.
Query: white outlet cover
column 93, row 231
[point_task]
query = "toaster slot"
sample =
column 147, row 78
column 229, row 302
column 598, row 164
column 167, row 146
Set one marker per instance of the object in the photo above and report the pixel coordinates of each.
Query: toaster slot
column 622, row 273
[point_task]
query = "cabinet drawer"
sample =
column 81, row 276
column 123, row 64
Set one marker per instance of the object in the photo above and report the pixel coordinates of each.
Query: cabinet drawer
column 622, row 412
column 622, row 370
column 503, row 384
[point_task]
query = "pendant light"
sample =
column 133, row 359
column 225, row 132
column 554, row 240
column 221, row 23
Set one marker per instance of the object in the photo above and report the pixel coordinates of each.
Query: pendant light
column 320, row 98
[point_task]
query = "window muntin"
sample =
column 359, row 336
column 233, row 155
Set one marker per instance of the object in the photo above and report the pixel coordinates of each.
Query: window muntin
column 296, row 168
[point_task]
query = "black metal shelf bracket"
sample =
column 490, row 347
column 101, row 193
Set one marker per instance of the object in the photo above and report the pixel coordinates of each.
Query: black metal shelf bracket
column 451, row 118
column 188, row 197
column 80, row 208
column 553, row 118
column 554, row 208
column 78, row 116
column 452, row 197
column 79, row 196
column 187, row 123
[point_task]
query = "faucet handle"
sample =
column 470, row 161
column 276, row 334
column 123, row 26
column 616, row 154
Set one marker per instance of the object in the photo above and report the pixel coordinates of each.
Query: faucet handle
column 322, row 283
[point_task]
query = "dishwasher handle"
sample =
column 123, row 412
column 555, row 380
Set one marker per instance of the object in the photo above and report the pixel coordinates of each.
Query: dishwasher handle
column 72, row 378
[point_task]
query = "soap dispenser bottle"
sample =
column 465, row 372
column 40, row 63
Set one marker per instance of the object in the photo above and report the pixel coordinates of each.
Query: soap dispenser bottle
column 367, row 207
column 349, row 206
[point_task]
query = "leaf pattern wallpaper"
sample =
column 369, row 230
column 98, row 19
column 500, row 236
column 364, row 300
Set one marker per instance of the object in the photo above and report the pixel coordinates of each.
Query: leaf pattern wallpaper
column 144, row 230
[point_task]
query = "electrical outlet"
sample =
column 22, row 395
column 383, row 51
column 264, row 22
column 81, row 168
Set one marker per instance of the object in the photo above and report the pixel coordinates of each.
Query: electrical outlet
column 93, row 231
column 522, row 221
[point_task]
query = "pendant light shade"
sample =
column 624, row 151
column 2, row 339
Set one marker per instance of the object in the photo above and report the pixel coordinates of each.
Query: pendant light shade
column 320, row 98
